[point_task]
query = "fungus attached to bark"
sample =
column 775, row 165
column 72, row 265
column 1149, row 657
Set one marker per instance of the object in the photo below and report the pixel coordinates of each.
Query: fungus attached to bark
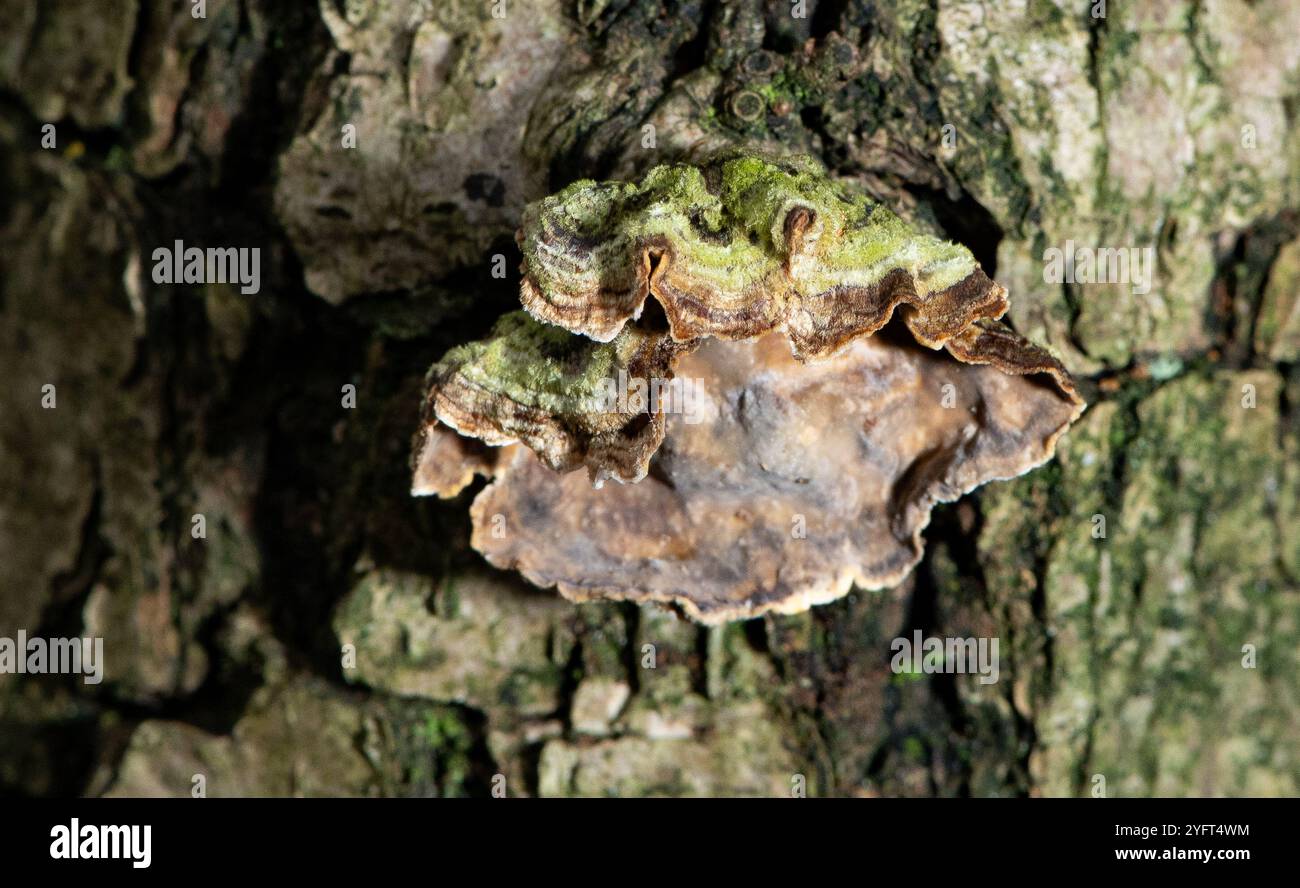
column 773, row 451
column 541, row 385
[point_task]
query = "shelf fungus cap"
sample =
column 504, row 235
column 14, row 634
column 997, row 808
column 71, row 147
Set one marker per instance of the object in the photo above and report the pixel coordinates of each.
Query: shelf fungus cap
column 740, row 246
column 555, row 392
column 781, row 428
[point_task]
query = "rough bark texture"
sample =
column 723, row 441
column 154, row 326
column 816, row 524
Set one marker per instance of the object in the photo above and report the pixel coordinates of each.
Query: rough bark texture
column 1008, row 126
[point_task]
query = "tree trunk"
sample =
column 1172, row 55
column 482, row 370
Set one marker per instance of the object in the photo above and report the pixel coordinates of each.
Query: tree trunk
column 216, row 482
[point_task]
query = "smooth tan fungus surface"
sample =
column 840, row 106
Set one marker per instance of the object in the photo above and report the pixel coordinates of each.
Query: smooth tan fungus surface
column 799, row 480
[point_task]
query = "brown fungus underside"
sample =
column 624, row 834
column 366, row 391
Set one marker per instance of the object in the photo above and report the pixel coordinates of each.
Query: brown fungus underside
column 813, row 451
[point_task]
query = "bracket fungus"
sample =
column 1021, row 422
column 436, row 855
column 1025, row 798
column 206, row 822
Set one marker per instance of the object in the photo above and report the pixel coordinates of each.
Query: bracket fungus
column 781, row 375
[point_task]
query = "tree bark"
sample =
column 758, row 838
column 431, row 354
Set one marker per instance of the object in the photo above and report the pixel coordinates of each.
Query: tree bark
column 328, row 634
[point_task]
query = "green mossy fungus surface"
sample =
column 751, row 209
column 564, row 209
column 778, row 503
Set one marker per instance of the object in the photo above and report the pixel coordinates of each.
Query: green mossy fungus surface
column 725, row 220
column 538, row 365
